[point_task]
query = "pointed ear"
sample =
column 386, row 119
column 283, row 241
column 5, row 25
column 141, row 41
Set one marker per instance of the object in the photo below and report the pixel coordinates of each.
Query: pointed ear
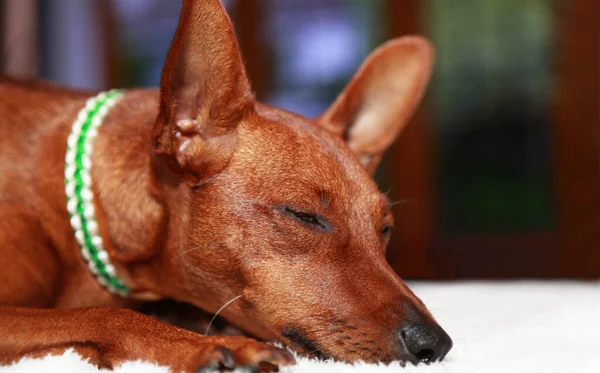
column 382, row 96
column 204, row 92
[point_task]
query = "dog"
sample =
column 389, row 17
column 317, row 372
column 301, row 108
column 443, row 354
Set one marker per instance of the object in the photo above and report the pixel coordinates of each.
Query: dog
column 199, row 193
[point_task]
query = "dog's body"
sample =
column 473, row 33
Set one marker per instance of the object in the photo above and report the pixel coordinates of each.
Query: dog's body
column 201, row 195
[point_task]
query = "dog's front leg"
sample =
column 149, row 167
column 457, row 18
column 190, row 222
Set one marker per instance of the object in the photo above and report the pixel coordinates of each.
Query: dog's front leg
column 110, row 336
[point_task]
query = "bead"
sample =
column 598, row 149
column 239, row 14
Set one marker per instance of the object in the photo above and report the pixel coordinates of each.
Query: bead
column 96, row 122
column 80, row 238
column 72, row 206
column 70, row 189
column 86, row 255
column 103, row 255
column 70, row 157
column 76, row 130
column 92, row 133
column 86, row 194
column 88, row 212
column 92, row 267
column 90, row 104
column 82, row 116
column 92, row 227
column 76, row 222
column 86, row 162
column 69, row 172
column 103, row 111
column 72, row 141
column 85, row 178
column 110, row 269
column 97, row 240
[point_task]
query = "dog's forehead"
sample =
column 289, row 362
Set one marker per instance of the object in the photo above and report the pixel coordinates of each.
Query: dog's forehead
column 301, row 151
column 309, row 136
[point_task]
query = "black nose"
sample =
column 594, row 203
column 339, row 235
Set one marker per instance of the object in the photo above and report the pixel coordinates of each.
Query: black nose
column 427, row 343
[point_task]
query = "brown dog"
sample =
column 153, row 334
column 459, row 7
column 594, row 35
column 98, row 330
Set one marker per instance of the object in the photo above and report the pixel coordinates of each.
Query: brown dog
column 202, row 194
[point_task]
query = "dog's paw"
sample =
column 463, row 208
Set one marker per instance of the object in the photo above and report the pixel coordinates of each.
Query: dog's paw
column 216, row 358
column 248, row 355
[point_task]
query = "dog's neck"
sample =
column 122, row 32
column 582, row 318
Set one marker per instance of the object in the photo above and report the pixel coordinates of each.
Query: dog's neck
column 130, row 206
column 140, row 204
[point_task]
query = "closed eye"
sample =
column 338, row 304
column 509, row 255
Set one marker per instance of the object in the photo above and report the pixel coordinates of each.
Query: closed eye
column 310, row 220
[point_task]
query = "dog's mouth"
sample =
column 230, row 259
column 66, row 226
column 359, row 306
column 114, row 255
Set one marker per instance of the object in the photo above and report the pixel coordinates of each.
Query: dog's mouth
column 307, row 345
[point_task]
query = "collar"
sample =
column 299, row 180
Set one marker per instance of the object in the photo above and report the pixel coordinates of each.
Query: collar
column 78, row 187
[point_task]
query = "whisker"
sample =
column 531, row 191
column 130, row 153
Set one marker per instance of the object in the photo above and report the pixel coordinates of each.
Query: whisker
column 219, row 311
column 195, row 248
column 402, row 201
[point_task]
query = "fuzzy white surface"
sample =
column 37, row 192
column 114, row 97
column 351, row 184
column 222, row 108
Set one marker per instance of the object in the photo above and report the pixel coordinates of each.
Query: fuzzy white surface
column 496, row 327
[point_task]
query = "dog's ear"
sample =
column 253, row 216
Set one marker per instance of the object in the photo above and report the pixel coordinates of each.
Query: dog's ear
column 377, row 104
column 204, row 92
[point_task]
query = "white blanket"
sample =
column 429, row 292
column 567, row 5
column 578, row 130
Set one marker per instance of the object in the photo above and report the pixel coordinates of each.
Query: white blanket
column 496, row 327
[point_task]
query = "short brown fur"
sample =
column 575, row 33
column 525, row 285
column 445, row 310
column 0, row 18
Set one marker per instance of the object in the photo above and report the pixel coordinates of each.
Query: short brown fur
column 203, row 194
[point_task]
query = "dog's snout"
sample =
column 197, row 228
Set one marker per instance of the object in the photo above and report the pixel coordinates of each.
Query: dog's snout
column 426, row 343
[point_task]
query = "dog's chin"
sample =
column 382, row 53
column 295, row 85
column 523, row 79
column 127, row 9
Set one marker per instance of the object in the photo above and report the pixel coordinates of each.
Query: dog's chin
column 307, row 347
column 316, row 353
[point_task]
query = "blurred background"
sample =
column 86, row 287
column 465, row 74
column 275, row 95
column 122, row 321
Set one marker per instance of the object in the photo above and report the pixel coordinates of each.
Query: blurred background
column 497, row 175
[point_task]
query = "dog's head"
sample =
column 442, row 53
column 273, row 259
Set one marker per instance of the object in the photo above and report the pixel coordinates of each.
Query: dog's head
column 281, row 209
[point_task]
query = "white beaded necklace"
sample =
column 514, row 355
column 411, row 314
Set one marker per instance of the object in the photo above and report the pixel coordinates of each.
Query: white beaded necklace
column 78, row 187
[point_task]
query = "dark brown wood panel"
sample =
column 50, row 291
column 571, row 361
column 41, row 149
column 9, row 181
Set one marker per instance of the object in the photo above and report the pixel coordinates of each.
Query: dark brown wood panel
column 577, row 138
column 110, row 46
column 409, row 166
column 248, row 16
column 534, row 255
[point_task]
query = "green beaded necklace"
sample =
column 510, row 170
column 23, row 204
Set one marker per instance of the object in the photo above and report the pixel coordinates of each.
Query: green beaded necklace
column 78, row 187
